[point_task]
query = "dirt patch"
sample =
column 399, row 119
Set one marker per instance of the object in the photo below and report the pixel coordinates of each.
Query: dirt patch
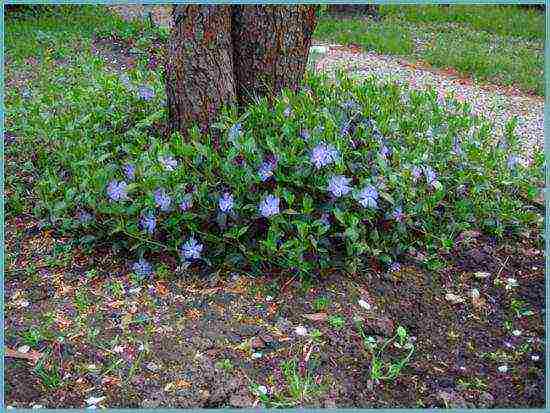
column 208, row 342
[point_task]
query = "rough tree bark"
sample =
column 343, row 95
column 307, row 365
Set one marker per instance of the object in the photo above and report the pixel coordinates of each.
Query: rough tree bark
column 270, row 48
column 221, row 55
column 199, row 66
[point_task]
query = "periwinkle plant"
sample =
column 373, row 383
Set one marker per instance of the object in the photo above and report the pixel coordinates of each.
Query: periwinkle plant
column 269, row 190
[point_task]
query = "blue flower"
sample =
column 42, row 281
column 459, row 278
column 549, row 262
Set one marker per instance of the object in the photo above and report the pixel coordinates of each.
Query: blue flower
column 129, row 171
column 368, row 197
column 162, row 200
column 169, row 163
column 142, row 268
column 84, row 217
column 191, row 249
column 148, row 223
column 385, row 151
column 323, row 155
column 395, row 267
column 269, row 206
column 234, row 132
column 339, row 185
column 266, row 169
column 346, row 126
column 431, row 176
column 287, row 112
column 457, row 149
column 416, row 172
column 398, row 214
column 226, row 202
column 186, row 202
column 304, row 134
column 512, row 162
column 325, row 219
column 146, row 93
column 117, row 190
column 351, row 105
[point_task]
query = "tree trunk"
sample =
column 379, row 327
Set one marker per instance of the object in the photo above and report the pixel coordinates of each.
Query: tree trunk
column 270, row 48
column 221, row 55
column 199, row 66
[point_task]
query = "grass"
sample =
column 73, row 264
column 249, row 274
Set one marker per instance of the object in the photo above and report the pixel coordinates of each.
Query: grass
column 499, row 44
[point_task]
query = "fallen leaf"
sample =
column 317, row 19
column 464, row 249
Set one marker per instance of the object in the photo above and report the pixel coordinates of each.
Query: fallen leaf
column 110, row 380
column 161, row 289
column 316, row 316
column 31, row 355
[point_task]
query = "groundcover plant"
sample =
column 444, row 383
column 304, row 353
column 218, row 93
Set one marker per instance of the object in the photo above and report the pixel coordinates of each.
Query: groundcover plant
column 339, row 173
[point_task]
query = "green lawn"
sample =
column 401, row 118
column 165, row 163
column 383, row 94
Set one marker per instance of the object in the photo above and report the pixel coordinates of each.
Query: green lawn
column 499, row 44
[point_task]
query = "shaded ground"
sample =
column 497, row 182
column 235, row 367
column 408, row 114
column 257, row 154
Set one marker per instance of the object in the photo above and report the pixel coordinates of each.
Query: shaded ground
column 179, row 340
column 187, row 342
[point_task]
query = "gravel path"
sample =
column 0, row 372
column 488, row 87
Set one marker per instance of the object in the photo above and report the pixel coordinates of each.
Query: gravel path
column 494, row 102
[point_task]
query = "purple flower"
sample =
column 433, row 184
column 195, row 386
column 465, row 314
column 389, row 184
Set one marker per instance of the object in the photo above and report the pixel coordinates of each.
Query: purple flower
column 416, row 172
column 186, row 202
column 368, row 197
column 287, row 112
column 226, row 202
column 431, row 176
column 169, row 163
column 398, row 214
column 142, row 268
column 339, row 185
column 148, row 223
column 269, row 206
column 325, row 219
column 395, row 267
column 457, row 149
column 351, row 105
column 162, row 200
column 234, row 132
column 117, row 190
column 512, row 162
column 304, row 134
column 323, row 155
column 191, row 249
column 84, row 217
column 266, row 169
column 129, row 171
column 346, row 126
column 385, row 151
column 146, row 93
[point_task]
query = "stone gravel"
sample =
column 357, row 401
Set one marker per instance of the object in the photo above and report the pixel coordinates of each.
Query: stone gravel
column 497, row 103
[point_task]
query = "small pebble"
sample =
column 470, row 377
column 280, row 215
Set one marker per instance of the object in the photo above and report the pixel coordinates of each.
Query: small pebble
column 364, row 304
column 23, row 303
column 24, row 349
column 92, row 401
column 453, row 298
